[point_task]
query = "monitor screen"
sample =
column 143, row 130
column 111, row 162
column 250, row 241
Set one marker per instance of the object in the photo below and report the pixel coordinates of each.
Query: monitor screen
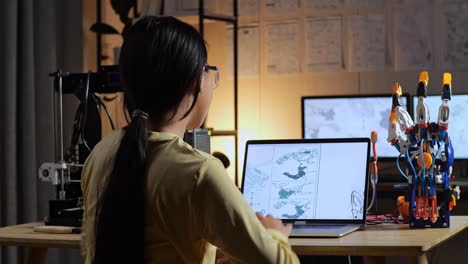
column 458, row 125
column 350, row 116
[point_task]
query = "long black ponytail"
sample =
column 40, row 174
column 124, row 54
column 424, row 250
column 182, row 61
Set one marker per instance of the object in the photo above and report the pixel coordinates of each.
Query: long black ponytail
column 161, row 58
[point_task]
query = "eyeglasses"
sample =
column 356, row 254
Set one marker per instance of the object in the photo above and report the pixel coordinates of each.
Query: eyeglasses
column 213, row 71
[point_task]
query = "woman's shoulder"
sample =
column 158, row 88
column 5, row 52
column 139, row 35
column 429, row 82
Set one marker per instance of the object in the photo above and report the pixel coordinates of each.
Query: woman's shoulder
column 173, row 154
column 107, row 147
column 111, row 139
column 171, row 146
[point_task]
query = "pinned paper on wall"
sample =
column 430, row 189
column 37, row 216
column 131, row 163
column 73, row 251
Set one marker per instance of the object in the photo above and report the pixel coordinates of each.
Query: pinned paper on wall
column 366, row 42
column 323, row 4
column 176, row 8
column 188, row 4
column 455, row 1
column 244, row 7
column 282, row 47
column 280, row 6
column 248, row 51
column 324, row 43
column 455, row 52
column 365, row 3
column 413, row 40
column 414, row 2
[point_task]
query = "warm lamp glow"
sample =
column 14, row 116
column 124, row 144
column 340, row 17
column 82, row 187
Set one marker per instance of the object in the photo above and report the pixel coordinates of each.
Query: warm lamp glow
column 225, row 144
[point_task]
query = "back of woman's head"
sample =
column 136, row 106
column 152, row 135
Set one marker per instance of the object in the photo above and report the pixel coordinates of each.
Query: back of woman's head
column 161, row 59
column 161, row 62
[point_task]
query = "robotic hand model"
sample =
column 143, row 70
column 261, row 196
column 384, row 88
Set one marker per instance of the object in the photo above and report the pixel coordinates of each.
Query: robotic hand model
column 428, row 153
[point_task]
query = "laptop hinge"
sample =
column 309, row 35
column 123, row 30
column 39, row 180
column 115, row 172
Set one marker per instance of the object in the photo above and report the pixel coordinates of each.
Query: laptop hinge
column 300, row 222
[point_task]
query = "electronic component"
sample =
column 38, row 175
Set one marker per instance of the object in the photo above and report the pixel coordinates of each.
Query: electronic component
column 428, row 152
column 199, row 138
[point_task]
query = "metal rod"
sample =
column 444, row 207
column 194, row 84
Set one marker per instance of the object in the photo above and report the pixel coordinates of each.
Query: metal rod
column 61, row 159
column 236, row 25
column 234, row 20
column 224, row 133
column 55, row 117
column 135, row 9
column 229, row 19
column 201, row 17
column 98, row 34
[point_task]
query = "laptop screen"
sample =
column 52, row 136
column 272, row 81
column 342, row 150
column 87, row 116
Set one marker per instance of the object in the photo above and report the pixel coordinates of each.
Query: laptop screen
column 308, row 179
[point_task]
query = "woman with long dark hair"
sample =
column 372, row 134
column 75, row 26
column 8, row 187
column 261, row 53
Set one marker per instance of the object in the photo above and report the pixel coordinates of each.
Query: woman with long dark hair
column 148, row 196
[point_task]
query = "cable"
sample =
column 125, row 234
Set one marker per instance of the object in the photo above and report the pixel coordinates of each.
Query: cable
column 71, row 154
column 409, row 162
column 374, row 171
column 436, row 155
column 76, row 127
column 376, row 219
column 125, row 109
column 421, row 152
column 373, row 197
column 85, row 111
column 99, row 101
column 398, row 167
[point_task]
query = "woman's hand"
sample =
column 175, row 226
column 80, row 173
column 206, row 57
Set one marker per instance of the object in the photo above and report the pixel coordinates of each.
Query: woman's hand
column 274, row 223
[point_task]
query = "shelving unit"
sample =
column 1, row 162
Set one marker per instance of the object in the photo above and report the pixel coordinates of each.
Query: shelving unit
column 234, row 20
column 202, row 18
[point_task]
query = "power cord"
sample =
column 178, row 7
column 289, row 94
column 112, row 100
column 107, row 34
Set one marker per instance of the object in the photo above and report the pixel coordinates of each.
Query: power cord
column 100, row 103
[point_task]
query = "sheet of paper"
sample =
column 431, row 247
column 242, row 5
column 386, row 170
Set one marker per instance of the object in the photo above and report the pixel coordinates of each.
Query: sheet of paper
column 212, row 6
column 366, row 42
column 153, row 7
column 248, row 51
column 280, row 6
column 365, row 3
column 323, row 4
column 176, row 8
column 413, row 40
column 455, row 1
column 244, row 7
column 282, row 47
column 414, row 2
column 188, row 4
column 324, row 43
column 455, row 37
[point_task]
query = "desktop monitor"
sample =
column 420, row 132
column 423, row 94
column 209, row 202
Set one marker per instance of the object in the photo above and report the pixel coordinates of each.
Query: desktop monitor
column 349, row 116
column 458, row 126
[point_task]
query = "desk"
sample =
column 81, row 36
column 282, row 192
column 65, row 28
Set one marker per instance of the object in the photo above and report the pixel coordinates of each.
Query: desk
column 374, row 241
column 37, row 243
column 382, row 240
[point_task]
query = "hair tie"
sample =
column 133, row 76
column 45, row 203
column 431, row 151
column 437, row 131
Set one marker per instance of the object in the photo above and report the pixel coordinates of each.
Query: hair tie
column 139, row 113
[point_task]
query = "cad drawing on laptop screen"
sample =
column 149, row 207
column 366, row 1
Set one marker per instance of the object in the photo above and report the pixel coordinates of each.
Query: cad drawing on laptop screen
column 309, row 181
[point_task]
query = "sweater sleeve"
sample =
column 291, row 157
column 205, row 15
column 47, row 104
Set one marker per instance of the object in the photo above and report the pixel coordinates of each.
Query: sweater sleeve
column 223, row 217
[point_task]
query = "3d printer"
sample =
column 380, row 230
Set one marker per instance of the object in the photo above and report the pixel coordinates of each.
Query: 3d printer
column 90, row 89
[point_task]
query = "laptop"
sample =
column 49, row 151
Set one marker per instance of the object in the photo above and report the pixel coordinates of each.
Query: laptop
column 318, row 185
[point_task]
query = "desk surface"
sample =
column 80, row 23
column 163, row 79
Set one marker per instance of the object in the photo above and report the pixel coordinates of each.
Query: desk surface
column 378, row 240
column 24, row 235
column 381, row 240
